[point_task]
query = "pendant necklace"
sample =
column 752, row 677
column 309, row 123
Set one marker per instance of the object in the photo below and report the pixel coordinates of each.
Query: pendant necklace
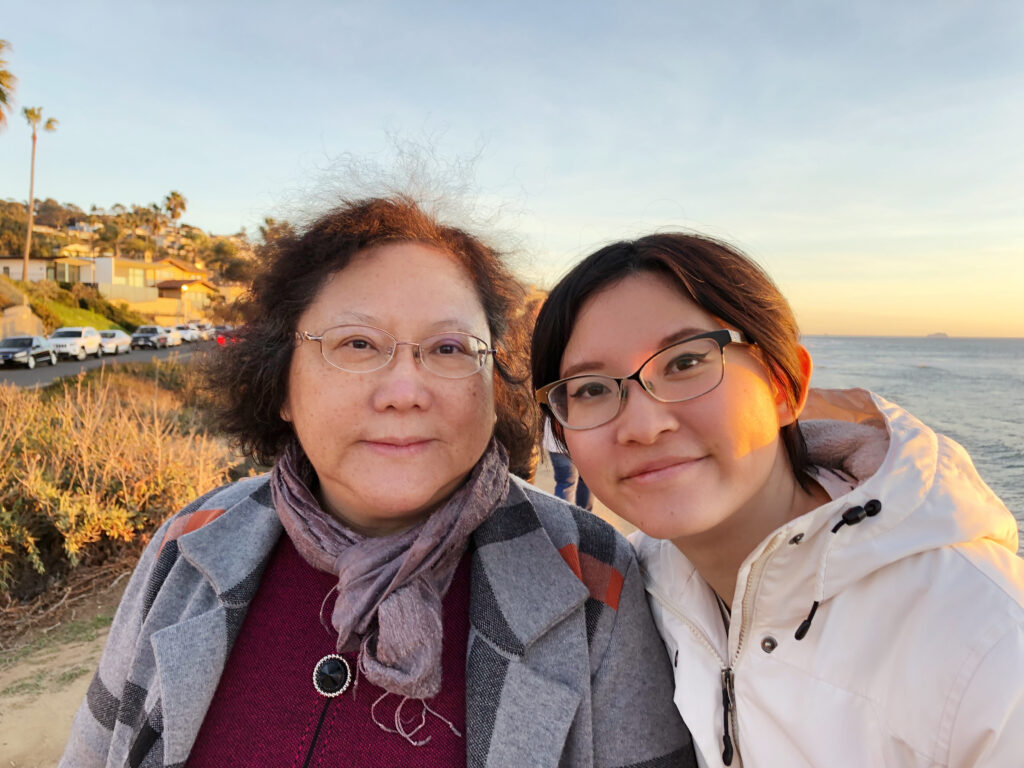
column 332, row 674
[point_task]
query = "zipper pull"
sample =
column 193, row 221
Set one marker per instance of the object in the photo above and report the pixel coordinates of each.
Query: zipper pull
column 727, row 704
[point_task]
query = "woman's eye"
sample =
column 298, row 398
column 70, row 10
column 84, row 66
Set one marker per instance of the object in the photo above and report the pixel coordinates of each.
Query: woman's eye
column 357, row 344
column 448, row 347
column 683, row 363
column 588, row 390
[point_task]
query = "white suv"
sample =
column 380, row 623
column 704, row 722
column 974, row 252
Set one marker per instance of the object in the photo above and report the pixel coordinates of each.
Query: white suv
column 188, row 332
column 76, row 342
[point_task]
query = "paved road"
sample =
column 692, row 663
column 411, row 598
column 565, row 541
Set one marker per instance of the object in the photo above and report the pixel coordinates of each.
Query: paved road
column 45, row 374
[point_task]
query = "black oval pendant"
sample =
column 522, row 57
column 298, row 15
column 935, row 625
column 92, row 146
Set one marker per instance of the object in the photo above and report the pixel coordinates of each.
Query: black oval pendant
column 331, row 676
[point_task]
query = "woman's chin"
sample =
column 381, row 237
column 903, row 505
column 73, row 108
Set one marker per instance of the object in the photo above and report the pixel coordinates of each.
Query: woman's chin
column 382, row 513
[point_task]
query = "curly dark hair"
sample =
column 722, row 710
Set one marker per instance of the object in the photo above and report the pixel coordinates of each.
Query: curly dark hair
column 718, row 277
column 248, row 379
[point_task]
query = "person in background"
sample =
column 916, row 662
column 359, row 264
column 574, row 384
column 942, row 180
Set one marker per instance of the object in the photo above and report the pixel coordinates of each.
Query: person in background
column 389, row 594
column 834, row 583
column 568, row 483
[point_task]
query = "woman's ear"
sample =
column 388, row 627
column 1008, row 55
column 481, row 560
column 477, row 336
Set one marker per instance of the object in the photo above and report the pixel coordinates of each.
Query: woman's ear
column 787, row 413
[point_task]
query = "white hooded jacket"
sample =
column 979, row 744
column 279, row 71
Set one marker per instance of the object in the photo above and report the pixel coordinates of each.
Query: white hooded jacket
column 914, row 652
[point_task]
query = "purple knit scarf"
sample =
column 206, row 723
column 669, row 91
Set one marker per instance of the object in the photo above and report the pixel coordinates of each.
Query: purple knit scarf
column 390, row 587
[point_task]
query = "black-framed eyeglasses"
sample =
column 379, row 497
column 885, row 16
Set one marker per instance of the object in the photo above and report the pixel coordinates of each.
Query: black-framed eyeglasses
column 364, row 349
column 681, row 371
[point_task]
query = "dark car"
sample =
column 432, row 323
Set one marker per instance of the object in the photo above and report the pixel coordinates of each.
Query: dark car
column 153, row 336
column 27, row 351
column 225, row 334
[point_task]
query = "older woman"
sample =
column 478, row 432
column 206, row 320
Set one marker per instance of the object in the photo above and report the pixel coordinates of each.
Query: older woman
column 388, row 594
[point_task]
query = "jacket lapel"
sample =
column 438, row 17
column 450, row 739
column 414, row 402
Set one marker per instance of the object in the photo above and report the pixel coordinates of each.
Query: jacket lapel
column 190, row 655
column 524, row 656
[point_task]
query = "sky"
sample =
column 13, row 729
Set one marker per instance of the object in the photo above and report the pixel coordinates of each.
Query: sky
column 867, row 154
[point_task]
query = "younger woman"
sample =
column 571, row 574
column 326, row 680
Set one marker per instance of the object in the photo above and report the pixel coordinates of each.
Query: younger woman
column 842, row 590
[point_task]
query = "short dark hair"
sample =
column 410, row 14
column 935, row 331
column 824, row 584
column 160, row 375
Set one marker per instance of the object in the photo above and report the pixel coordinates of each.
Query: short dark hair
column 248, row 379
column 719, row 278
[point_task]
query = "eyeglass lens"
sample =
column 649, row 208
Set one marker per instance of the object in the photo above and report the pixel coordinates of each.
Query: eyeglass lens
column 680, row 372
column 361, row 349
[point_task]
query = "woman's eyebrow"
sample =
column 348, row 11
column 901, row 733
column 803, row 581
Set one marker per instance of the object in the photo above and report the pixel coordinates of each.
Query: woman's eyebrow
column 666, row 341
column 682, row 335
column 450, row 324
column 347, row 316
column 447, row 324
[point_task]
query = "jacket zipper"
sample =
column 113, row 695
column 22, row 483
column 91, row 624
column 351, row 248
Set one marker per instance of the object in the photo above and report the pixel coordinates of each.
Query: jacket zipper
column 730, row 726
column 728, row 707
column 728, row 691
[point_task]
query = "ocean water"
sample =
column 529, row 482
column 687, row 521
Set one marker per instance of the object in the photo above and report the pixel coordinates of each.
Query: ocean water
column 969, row 389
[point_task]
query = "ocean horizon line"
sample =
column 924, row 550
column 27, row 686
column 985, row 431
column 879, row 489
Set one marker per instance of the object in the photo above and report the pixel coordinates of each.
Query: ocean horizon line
column 935, row 336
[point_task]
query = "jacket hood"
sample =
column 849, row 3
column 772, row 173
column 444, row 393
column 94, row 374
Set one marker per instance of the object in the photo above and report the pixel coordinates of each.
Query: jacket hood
column 929, row 492
column 852, row 427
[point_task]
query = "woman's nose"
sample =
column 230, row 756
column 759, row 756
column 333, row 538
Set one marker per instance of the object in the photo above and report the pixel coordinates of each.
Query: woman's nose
column 403, row 383
column 642, row 418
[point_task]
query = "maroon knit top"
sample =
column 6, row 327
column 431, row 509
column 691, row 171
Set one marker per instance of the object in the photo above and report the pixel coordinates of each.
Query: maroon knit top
column 266, row 711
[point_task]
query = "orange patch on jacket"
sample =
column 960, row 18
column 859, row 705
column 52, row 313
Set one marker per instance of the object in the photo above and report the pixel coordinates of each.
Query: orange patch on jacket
column 189, row 523
column 602, row 580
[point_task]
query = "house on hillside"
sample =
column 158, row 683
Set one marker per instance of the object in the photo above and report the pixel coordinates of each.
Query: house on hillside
column 172, row 268
column 58, row 267
column 172, row 290
column 193, row 296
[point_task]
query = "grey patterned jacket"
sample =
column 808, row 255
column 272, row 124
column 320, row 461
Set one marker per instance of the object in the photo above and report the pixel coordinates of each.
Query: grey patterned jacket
column 564, row 664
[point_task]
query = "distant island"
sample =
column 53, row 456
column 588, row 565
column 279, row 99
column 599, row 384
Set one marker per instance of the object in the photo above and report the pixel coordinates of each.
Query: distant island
column 937, row 336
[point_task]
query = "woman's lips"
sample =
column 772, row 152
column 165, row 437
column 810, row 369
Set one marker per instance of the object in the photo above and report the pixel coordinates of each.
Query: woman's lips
column 661, row 469
column 399, row 446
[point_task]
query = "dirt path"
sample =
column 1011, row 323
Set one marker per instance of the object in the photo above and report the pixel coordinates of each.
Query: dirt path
column 44, row 678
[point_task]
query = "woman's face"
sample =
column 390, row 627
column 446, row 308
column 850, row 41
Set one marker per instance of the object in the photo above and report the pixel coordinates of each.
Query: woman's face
column 391, row 445
column 675, row 470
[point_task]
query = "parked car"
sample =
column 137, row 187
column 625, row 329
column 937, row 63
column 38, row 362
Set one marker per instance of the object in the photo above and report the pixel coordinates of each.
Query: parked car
column 114, row 342
column 152, row 336
column 27, row 351
column 188, row 332
column 226, row 334
column 76, row 342
column 173, row 337
column 206, row 331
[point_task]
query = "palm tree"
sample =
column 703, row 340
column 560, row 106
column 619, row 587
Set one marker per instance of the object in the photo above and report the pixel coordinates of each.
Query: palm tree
column 150, row 218
column 175, row 204
column 34, row 116
column 7, row 81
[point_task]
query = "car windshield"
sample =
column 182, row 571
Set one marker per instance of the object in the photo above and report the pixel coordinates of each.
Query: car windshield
column 108, row 334
column 148, row 329
column 67, row 335
column 17, row 341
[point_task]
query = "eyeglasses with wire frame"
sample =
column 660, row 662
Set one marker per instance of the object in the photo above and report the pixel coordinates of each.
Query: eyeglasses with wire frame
column 364, row 349
column 681, row 371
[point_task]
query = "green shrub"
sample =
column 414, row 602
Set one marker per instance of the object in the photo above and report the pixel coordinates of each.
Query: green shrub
column 50, row 319
column 50, row 291
column 121, row 316
column 66, row 315
column 95, row 464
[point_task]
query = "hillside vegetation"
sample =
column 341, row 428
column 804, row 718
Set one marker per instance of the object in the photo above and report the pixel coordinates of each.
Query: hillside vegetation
column 95, row 464
column 81, row 305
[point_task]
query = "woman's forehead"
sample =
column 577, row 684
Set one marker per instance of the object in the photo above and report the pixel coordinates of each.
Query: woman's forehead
column 408, row 283
column 632, row 318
